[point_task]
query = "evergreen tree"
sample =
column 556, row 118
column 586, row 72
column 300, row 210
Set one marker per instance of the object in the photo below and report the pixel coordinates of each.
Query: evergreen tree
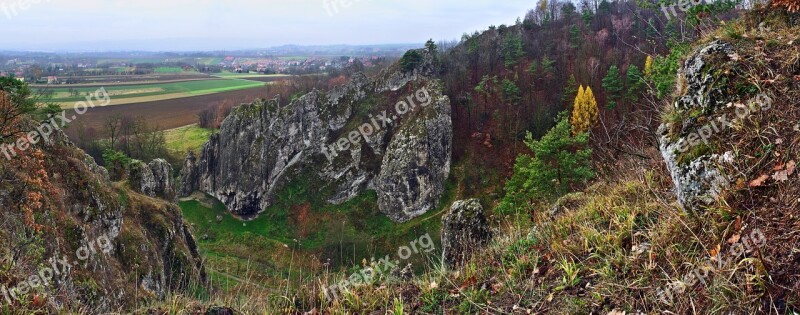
column 431, row 46
column 511, row 93
column 559, row 161
column 586, row 15
column 512, row 49
column 570, row 90
column 574, row 36
column 635, row 82
column 613, row 86
column 568, row 10
column 547, row 66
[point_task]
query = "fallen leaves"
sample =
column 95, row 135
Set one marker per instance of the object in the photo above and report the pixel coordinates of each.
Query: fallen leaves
column 758, row 182
column 783, row 171
column 734, row 239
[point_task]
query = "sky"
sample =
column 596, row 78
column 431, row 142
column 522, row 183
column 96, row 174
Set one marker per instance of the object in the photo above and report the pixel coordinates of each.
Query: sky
column 182, row 25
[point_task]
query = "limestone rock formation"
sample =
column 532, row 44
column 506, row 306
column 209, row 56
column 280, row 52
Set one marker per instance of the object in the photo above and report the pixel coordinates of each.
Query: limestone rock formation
column 464, row 230
column 391, row 134
column 116, row 243
column 153, row 179
column 695, row 173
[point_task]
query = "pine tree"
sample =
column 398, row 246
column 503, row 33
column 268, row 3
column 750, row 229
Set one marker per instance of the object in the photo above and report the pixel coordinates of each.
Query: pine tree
column 547, row 66
column 585, row 112
column 512, row 50
column 635, row 82
column 570, row 90
column 574, row 36
column 560, row 160
column 613, row 86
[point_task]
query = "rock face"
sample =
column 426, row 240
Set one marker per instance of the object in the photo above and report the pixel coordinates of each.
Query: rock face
column 464, row 230
column 139, row 245
column 154, row 179
column 351, row 139
column 697, row 179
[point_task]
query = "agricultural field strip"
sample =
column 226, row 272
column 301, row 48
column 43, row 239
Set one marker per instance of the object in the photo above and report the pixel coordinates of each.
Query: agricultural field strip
column 159, row 91
column 97, row 85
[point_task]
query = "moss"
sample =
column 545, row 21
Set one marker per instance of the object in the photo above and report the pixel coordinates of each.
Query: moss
column 694, row 153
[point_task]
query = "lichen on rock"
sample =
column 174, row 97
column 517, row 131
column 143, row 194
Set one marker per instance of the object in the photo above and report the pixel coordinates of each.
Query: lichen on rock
column 465, row 230
column 261, row 147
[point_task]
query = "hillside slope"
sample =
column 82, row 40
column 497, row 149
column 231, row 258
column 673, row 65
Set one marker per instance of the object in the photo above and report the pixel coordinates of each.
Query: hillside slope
column 74, row 242
column 704, row 224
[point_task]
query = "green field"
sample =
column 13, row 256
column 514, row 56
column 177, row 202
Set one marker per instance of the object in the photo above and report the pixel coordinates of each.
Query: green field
column 188, row 88
column 168, row 70
column 234, row 75
column 190, row 138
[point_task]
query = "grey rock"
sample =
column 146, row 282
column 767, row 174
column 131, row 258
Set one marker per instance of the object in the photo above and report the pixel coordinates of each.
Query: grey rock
column 404, row 274
column 153, row 179
column 465, row 230
column 164, row 182
column 263, row 146
column 141, row 179
column 698, row 182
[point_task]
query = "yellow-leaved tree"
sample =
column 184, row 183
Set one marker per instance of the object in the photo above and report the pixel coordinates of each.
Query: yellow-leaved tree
column 584, row 113
column 648, row 66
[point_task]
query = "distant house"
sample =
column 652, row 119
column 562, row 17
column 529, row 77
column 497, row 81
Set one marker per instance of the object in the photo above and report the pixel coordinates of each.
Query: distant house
column 52, row 80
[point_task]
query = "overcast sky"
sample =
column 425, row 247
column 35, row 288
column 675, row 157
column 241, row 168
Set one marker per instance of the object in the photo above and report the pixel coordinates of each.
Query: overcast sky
column 92, row 25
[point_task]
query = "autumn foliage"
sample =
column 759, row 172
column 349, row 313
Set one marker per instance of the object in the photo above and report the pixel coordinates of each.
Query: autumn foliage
column 584, row 113
column 792, row 6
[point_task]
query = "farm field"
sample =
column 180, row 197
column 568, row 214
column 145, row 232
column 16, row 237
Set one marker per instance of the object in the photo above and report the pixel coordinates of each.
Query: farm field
column 129, row 94
column 234, row 75
column 105, row 80
column 165, row 114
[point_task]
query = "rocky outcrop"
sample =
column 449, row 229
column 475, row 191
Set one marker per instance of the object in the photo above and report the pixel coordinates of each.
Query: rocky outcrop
column 163, row 180
column 464, row 231
column 694, row 169
column 154, row 179
column 119, row 247
column 391, row 134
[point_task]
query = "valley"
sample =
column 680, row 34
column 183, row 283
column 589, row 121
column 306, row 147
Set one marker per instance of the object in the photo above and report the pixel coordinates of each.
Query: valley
column 567, row 157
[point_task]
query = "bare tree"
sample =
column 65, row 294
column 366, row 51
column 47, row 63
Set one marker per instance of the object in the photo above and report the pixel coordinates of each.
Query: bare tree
column 113, row 125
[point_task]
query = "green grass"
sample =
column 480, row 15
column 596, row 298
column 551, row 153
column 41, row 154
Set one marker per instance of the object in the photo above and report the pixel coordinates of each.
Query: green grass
column 184, row 139
column 188, row 87
column 234, row 75
column 346, row 233
column 168, row 70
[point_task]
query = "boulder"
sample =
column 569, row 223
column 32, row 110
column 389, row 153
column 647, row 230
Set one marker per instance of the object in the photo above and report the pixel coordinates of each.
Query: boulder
column 141, row 179
column 697, row 178
column 154, row 179
column 465, row 230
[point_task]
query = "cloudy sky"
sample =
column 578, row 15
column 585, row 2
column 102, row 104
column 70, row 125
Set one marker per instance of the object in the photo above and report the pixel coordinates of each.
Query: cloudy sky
column 93, row 25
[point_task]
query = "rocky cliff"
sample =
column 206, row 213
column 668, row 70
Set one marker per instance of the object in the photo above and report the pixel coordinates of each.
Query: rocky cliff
column 73, row 241
column 391, row 134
